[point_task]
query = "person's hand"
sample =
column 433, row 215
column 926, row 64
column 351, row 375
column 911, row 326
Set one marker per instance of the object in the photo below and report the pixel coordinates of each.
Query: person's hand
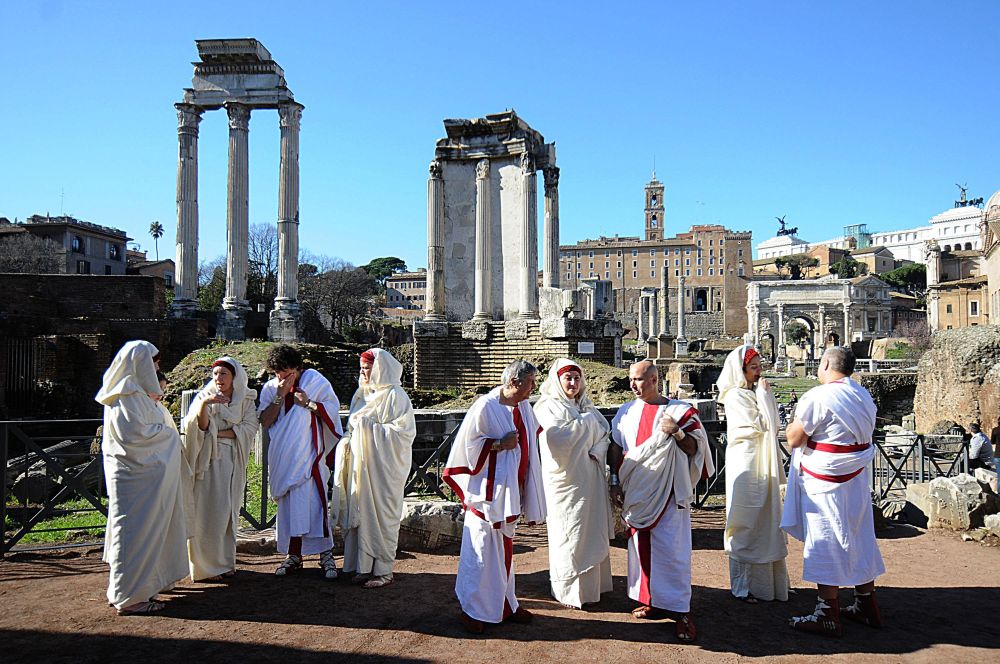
column 301, row 399
column 669, row 426
column 509, row 441
column 766, row 385
column 218, row 398
column 285, row 385
column 617, row 496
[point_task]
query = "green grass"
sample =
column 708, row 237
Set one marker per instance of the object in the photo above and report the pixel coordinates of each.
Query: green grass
column 254, row 471
column 81, row 526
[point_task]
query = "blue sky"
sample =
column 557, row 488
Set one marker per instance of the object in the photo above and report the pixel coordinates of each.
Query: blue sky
column 828, row 113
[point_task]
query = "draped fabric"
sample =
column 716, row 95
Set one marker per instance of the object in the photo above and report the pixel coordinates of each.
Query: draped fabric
column 299, row 461
column 145, row 538
column 754, row 475
column 219, row 467
column 496, row 488
column 372, row 464
column 573, row 445
column 828, row 501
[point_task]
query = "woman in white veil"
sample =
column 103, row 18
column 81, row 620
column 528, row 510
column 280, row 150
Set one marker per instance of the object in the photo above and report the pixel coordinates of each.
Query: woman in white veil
column 754, row 472
column 573, row 445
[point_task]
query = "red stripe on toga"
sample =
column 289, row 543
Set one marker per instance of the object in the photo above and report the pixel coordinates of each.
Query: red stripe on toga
column 646, row 423
column 522, row 439
column 644, row 550
column 508, row 558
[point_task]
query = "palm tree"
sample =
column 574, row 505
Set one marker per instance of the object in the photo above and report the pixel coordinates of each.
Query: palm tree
column 156, row 230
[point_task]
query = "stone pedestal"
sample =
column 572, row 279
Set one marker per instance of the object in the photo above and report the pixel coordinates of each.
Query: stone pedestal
column 680, row 347
column 231, row 323
column 286, row 324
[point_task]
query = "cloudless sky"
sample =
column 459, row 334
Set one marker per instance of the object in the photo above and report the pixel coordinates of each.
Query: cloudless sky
column 830, row 113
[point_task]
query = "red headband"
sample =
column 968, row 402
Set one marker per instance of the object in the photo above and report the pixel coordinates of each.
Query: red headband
column 227, row 365
column 368, row 355
column 751, row 353
column 569, row 367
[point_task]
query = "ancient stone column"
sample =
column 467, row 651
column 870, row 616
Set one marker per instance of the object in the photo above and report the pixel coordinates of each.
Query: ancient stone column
column 237, row 223
column 664, row 301
column 285, row 316
column 680, row 307
column 186, row 247
column 640, row 335
column 529, row 240
column 434, row 307
column 847, row 324
column 484, row 248
column 652, row 314
column 822, row 331
column 550, row 270
column 781, row 330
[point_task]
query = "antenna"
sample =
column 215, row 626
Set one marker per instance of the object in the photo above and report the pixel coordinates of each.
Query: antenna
column 62, row 199
column 654, row 165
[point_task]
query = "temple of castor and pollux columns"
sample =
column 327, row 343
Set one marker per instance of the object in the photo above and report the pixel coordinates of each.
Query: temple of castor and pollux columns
column 484, row 305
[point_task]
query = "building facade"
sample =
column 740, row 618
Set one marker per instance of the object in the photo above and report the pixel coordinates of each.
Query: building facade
column 406, row 290
column 85, row 247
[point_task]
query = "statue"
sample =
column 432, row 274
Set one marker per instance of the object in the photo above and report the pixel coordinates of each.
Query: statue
column 783, row 230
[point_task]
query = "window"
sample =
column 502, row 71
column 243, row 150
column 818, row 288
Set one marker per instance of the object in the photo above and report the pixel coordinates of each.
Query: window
column 607, row 275
column 607, row 264
column 739, row 271
column 677, row 273
column 652, row 221
column 635, row 263
column 677, row 251
column 591, row 265
column 83, row 267
column 687, row 273
column 619, row 273
column 78, row 247
column 635, row 275
column 607, row 254
column 677, row 261
column 687, row 250
column 114, row 252
column 652, row 273
column 619, row 264
column 711, row 271
column 687, row 261
column 653, row 201
column 699, row 271
column 652, row 252
column 947, row 309
column 168, row 279
column 107, row 269
column 666, row 263
column 590, row 254
column 973, row 308
column 710, row 243
column 635, row 252
column 652, row 263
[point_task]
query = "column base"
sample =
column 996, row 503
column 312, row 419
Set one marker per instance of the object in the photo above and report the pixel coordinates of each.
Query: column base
column 183, row 308
column 231, row 323
column 528, row 315
column 680, row 347
column 286, row 323
column 481, row 317
column 434, row 318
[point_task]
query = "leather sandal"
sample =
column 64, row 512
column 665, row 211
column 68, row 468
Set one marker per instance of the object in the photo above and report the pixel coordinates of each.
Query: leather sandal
column 685, row 628
column 378, row 582
column 645, row 612
column 141, row 609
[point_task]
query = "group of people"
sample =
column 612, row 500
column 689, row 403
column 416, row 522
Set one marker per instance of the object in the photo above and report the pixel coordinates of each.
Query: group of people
column 173, row 502
column 173, row 507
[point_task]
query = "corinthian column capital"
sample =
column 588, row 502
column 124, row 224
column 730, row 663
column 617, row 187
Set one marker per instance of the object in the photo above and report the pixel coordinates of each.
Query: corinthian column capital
column 483, row 169
column 551, row 175
column 188, row 117
column 435, row 170
column 289, row 115
column 527, row 163
column 239, row 115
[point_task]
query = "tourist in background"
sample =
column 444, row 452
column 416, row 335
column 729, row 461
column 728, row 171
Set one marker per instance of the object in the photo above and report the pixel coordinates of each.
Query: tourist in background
column 373, row 462
column 573, row 446
column 219, row 429
column 995, row 444
column 753, row 538
column 828, row 503
column 493, row 469
column 144, row 542
column 301, row 412
column 660, row 452
column 980, row 450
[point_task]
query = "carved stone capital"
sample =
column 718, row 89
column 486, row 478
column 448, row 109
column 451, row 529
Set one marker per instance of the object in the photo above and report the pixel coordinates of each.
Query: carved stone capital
column 435, row 170
column 527, row 163
column 239, row 115
column 551, row 175
column 188, row 117
column 483, row 169
column 289, row 115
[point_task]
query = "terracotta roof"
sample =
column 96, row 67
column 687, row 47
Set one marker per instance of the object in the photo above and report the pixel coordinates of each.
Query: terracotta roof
column 867, row 250
column 968, row 281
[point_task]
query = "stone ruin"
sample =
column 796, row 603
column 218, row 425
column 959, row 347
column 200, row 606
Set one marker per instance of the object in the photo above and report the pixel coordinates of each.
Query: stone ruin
column 240, row 76
column 484, row 306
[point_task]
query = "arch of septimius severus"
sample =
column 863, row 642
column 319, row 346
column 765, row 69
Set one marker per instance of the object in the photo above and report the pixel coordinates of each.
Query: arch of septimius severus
column 239, row 76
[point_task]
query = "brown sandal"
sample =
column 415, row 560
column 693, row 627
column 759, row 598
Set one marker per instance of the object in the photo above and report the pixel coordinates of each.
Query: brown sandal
column 646, row 612
column 685, row 628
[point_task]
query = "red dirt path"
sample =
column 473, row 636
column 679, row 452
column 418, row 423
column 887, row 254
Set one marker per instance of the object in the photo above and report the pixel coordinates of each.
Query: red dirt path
column 940, row 599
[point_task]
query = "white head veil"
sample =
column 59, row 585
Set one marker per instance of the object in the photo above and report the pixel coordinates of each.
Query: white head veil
column 386, row 372
column 233, row 411
column 732, row 376
column 131, row 371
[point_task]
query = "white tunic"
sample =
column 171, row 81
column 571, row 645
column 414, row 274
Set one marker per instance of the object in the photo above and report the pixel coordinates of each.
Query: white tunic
column 573, row 445
column 146, row 533
column 219, row 466
column 299, row 464
column 373, row 462
column 828, row 501
column 753, row 537
column 496, row 488
column 658, row 481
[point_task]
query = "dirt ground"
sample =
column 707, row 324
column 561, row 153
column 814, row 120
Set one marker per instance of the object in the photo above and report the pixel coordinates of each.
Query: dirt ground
column 940, row 600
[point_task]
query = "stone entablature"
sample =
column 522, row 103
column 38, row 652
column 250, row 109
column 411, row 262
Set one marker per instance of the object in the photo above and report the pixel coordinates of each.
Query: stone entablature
column 836, row 311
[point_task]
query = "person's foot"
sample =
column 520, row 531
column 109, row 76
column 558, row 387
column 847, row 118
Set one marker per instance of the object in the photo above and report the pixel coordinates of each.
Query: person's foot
column 824, row 620
column 361, row 579
column 141, row 608
column 328, row 564
column 471, row 625
column 211, row 579
column 378, row 582
column 685, row 629
column 290, row 564
column 864, row 610
column 646, row 612
column 748, row 598
column 522, row 616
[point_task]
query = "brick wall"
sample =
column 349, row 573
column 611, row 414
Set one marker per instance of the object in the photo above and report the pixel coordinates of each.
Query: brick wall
column 709, row 324
column 456, row 356
column 74, row 296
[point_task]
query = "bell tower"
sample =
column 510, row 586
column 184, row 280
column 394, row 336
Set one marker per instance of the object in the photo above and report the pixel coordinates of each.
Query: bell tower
column 655, row 209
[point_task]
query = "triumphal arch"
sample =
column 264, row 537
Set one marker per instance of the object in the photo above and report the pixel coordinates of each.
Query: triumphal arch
column 240, row 76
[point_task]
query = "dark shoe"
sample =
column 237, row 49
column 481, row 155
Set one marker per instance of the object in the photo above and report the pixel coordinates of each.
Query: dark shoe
column 471, row 625
column 685, row 628
column 825, row 620
column 864, row 610
column 522, row 616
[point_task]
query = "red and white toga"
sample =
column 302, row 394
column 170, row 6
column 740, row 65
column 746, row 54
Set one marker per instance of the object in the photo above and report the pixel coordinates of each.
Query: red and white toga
column 496, row 488
column 828, row 501
column 658, row 480
column 299, row 459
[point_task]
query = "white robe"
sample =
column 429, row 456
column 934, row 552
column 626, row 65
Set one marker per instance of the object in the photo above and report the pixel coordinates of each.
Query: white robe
column 373, row 462
column 145, row 539
column 658, row 481
column 831, row 514
column 488, row 485
column 753, row 538
column 219, row 466
column 573, row 446
column 298, row 463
